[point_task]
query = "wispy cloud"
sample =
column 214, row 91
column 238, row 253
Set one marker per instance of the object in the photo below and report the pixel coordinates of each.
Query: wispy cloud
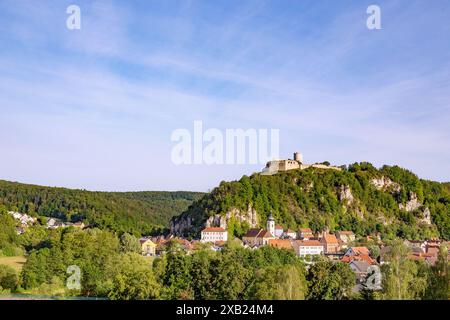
column 94, row 108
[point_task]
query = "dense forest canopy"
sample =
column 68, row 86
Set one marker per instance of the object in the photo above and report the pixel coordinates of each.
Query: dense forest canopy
column 330, row 199
column 133, row 212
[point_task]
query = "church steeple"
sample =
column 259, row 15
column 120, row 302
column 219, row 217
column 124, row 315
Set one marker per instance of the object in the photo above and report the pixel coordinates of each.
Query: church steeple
column 271, row 224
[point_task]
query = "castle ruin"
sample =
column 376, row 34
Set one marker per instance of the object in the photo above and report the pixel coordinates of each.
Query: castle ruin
column 275, row 166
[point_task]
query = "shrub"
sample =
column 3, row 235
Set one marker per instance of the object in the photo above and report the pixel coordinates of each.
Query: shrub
column 8, row 278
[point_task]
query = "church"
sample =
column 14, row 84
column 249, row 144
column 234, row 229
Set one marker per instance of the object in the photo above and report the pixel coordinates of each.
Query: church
column 260, row 237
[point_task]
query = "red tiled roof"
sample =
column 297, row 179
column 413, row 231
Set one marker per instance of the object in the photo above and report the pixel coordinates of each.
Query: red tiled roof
column 281, row 243
column 306, row 230
column 278, row 227
column 330, row 239
column 360, row 250
column 213, row 229
column 363, row 257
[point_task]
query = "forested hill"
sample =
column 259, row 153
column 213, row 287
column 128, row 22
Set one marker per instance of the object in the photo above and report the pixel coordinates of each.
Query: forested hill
column 390, row 201
column 134, row 212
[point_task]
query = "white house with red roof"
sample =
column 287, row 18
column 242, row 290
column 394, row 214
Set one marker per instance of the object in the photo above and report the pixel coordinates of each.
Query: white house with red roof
column 308, row 247
column 214, row 234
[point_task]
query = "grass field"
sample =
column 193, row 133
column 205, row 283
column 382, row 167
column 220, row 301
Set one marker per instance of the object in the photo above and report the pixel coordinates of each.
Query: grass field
column 14, row 262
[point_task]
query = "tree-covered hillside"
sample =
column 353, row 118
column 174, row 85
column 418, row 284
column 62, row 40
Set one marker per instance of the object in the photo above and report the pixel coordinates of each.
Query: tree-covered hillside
column 133, row 212
column 391, row 201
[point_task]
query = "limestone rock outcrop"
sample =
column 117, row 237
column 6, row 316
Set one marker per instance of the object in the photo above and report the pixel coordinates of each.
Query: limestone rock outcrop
column 384, row 183
column 345, row 194
column 412, row 204
column 183, row 224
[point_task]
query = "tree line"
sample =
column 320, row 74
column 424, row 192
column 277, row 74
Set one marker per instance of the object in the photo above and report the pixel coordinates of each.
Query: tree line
column 132, row 212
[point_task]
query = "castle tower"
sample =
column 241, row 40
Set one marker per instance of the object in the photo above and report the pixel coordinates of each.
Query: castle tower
column 298, row 157
column 271, row 224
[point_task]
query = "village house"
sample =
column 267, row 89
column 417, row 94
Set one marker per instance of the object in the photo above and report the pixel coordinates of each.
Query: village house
column 432, row 248
column 182, row 243
column 428, row 258
column 357, row 254
column 148, row 247
column 346, row 237
column 428, row 252
column 54, row 223
column 290, row 234
column 159, row 241
column 416, row 244
column 24, row 219
column 214, row 234
column 425, row 251
column 308, row 247
column 79, row 225
column 305, row 234
column 281, row 244
column 278, row 231
column 175, row 243
column 330, row 243
column 360, row 268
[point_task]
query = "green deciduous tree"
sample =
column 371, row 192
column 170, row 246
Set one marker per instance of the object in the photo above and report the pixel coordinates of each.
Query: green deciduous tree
column 439, row 278
column 129, row 243
column 402, row 278
column 275, row 283
column 8, row 278
column 330, row 281
column 133, row 279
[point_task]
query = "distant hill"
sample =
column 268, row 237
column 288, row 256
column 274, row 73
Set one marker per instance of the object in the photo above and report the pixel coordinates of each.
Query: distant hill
column 390, row 201
column 134, row 212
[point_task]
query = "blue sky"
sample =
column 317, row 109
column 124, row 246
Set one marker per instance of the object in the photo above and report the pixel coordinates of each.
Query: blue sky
column 95, row 108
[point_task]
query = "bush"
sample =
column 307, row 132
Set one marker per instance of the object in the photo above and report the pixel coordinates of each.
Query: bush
column 8, row 278
column 10, row 250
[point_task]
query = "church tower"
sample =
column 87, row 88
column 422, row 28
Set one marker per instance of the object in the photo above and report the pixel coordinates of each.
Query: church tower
column 271, row 224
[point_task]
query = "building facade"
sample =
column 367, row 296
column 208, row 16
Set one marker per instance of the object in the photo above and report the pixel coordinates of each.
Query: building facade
column 214, row 235
column 330, row 243
column 308, row 247
column 148, row 247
